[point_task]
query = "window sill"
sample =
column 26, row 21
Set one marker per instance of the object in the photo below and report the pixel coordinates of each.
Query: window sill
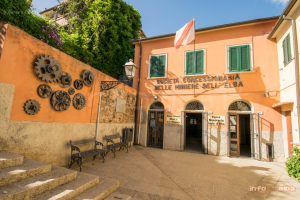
column 240, row 72
column 154, row 78
column 194, row 75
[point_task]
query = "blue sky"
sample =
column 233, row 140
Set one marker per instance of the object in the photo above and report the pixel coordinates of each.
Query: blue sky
column 161, row 17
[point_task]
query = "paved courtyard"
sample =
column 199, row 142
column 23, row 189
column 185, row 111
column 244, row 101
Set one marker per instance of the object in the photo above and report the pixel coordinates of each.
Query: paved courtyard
column 149, row 173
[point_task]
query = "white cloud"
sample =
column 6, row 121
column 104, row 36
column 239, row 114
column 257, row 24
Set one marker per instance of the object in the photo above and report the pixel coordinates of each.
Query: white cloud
column 282, row 2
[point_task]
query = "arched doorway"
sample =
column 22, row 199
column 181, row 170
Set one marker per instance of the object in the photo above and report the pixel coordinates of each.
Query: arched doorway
column 193, row 141
column 239, row 141
column 156, row 125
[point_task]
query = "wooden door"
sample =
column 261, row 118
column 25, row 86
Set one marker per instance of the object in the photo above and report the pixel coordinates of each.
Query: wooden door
column 234, row 135
column 155, row 129
column 289, row 131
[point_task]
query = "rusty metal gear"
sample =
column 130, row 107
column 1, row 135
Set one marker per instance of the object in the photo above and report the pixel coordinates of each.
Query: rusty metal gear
column 78, row 84
column 48, row 69
column 65, row 80
column 88, row 77
column 60, row 100
column 32, row 107
column 78, row 101
column 44, row 91
column 71, row 91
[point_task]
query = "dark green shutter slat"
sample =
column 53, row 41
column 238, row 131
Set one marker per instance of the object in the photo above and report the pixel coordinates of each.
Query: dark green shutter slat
column 199, row 62
column 153, row 66
column 233, row 59
column 245, row 58
column 161, row 69
column 288, row 48
column 189, row 63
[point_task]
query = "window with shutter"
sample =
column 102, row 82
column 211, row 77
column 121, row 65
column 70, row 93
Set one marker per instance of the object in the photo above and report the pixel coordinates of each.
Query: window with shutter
column 239, row 58
column 190, row 62
column 287, row 54
column 157, row 66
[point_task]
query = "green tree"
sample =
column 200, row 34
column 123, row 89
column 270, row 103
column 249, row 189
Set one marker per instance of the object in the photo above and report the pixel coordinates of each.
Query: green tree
column 99, row 31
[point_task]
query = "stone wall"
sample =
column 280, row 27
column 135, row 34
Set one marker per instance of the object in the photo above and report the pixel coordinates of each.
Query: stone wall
column 45, row 136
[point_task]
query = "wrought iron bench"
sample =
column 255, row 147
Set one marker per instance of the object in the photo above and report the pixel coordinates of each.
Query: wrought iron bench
column 78, row 157
column 112, row 146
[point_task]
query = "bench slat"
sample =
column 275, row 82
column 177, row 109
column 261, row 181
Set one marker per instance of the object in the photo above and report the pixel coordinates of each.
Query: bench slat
column 83, row 141
column 112, row 136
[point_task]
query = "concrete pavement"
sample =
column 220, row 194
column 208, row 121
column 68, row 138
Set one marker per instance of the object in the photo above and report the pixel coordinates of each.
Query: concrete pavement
column 149, row 173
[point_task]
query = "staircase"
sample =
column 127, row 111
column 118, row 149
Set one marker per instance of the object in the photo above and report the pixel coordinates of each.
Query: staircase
column 23, row 178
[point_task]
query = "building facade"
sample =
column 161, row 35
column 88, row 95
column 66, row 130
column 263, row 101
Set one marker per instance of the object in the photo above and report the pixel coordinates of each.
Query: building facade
column 211, row 97
column 285, row 32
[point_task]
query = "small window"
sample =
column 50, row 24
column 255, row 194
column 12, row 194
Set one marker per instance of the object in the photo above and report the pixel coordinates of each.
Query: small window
column 239, row 58
column 157, row 66
column 190, row 62
column 287, row 55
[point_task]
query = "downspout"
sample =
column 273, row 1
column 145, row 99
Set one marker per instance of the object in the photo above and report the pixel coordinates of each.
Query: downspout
column 137, row 95
column 296, row 63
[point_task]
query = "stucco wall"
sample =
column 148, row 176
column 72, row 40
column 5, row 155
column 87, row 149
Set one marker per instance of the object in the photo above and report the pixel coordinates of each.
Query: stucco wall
column 45, row 136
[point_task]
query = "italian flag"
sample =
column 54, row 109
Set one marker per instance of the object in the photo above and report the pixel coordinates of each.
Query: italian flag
column 185, row 35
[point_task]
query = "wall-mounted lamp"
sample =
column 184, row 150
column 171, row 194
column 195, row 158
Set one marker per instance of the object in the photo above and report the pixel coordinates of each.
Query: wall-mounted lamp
column 155, row 97
column 267, row 94
column 260, row 112
column 168, row 111
column 209, row 112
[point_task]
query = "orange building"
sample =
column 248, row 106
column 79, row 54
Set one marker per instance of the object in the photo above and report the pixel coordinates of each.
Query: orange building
column 215, row 103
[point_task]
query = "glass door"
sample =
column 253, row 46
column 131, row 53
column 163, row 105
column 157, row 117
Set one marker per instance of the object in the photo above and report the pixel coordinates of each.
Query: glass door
column 155, row 129
column 234, row 135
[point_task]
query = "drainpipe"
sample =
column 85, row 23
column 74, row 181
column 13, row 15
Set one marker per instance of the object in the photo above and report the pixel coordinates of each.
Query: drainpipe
column 137, row 95
column 296, row 60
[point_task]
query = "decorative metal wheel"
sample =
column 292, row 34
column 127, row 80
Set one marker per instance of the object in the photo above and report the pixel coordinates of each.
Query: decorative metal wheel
column 194, row 105
column 65, row 80
column 78, row 101
column 157, row 105
column 78, row 84
column 48, row 69
column 71, row 91
column 240, row 106
column 44, row 91
column 88, row 77
column 32, row 107
column 60, row 100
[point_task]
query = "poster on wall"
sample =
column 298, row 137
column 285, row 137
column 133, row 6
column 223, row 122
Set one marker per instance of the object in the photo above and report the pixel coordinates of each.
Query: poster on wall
column 174, row 119
column 216, row 120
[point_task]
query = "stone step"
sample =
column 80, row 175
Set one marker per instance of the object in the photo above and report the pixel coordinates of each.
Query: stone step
column 100, row 191
column 8, row 159
column 37, row 185
column 82, row 183
column 30, row 168
column 118, row 196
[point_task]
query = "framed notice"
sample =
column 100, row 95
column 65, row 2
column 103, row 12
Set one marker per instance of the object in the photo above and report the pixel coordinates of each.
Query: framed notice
column 174, row 119
column 216, row 120
column 232, row 128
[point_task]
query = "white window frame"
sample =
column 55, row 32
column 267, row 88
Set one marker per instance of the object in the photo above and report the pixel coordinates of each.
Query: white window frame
column 227, row 57
column 166, row 65
column 204, row 62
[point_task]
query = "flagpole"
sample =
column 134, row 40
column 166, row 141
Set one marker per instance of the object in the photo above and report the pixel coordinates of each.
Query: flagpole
column 194, row 59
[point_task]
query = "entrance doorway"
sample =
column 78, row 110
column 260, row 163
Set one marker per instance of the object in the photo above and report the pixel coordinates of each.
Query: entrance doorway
column 289, row 131
column 156, row 125
column 193, row 136
column 240, row 135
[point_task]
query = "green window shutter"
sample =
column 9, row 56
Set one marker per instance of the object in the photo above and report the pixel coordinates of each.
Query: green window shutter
column 153, row 66
column 157, row 66
column 288, row 48
column 199, row 62
column 161, row 68
column 233, row 59
column 189, row 63
column 245, row 58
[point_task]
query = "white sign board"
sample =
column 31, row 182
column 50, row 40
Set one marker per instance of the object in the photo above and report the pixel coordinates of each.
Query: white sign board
column 173, row 119
column 216, row 120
